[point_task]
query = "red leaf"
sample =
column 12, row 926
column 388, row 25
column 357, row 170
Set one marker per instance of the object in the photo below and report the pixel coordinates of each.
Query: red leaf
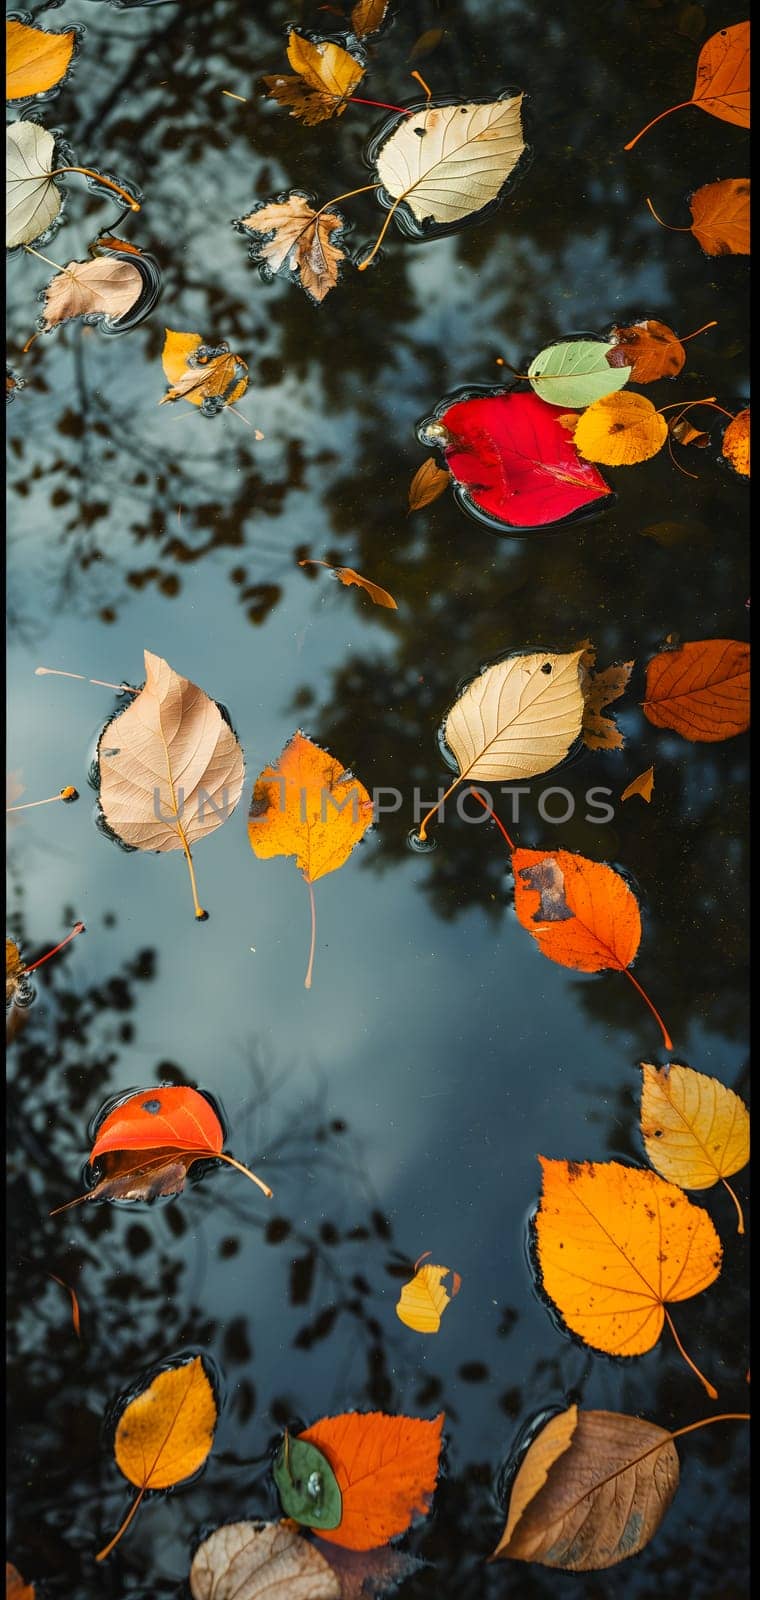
column 516, row 462
column 161, row 1119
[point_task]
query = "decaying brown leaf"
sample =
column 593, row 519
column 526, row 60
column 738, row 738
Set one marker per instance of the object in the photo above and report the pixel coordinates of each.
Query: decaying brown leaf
column 649, row 348
column 684, row 432
column 326, row 78
column 428, row 483
column 347, row 575
column 102, row 287
column 209, row 378
column 426, row 44
column 643, row 785
column 600, row 689
column 367, row 16
column 291, row 236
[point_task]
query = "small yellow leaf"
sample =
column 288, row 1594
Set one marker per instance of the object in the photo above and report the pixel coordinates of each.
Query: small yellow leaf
column 643, row 785
column 424, row 1299
column 695, row 1129
column 620, row 430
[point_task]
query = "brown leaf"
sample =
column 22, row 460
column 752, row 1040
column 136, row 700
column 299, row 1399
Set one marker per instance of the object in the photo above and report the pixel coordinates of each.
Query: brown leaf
column 261, row 1561
column 347, row 575
column 101, row 287
column 367, row 16
column 643, row 785
column 592, row 1490
column 298, row 240
column 700, row 689
column 15, row 968
column 426, row 44
column 367, row 1574
column 684, row 432
column 650, row 349
column 327, row 77
column 428, row 483
column 600, row 689
column 208, row 379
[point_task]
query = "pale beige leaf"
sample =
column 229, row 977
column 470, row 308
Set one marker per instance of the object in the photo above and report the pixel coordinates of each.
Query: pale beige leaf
column 171, row 744
column 301, row 241
column 261, row 1561
column 32, row 200
column 448, row 161
column 101, row 286
column 643, row 785
column 518, row 718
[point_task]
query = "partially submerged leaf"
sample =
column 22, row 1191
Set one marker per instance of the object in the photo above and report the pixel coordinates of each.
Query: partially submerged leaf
column 695, row 1129
column 32, row 199
column 326, row 78
column 650, row 349
column 15, row 1588
column 211, row 378
column 292, row 237
column 386, row 1468
column 515, row 462
column 35, row 59
column 735, row 446
column 367, row 16
column 347, row 576
column 307, row 1485
column 720, row 217
column 100, row 287
column 620, row 430
column 426, row 43
column 599, row 690
column 424, row 1299
column 591, row 1490
column 170, row 767
column 428, row 483
column 684, row 433
column 722, row 81
column 165, row 1433
column 700, row 689
column 445, row 163
column 16, row 990
column 261, row 1561
column 615, row 1245
column 574, row 372
column 643, row 785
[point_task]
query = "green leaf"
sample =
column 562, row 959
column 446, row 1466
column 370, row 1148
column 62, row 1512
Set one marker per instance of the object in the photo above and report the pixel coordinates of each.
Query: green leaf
column 307, row 1485
column 575, row 373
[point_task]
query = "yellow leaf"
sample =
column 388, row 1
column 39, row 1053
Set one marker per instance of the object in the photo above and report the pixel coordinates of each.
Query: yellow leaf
column 327, row 77
column 35, row 59
column 695, row 1129
column 423, row 1301
column 620, row 430
column 211, row 381
column 165, row 1434
column 643, row 785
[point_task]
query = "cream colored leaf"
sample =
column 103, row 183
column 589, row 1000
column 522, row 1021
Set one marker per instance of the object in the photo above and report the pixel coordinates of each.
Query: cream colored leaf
column 261, row 1561
column 103, row 287
column 519, row 718
column 169, row 764
column 447, row 162
column 32, row 201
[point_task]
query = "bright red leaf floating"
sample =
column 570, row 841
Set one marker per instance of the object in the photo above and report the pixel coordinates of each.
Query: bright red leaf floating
column 516, row 462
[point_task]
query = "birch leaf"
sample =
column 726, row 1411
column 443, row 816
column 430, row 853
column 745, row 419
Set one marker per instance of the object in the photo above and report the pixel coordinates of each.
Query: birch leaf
column 575, row 372
column 367, row 16
column 447, row 162
column 32, row 200
column 428, row 483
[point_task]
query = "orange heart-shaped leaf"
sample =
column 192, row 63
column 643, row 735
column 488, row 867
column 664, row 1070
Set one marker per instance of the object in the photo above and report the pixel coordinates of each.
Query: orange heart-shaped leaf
column 386, row 1469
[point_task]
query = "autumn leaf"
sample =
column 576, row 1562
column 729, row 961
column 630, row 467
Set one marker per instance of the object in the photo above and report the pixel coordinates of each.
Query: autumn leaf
column 695, row 1129
column 367, row 16
column 615, row 1245
column 386, row 1469
column 346, row 575
column 15, row 1588
column 170, row 768
column 574, row 372
column 599, row 690
column 102, row 287
column 307, row 1485
column 444, row 164
column 736, row 443
column 700, row 689
column 17, row 991
column 620, row 430
column 13, row 383
column 326, row 78
column 209, row 378
column 423, row 1301
column 308, row 806
column 294, row 239
column 517, row 719
column 426, row 43
column 720, row 217
column 722, row 82
column 643, row 785
column 428, row 483
column 35, row 59
column 164, row 1434
column 650, row 349
column 261, row 1561
column 33, row 200
column 146, row 1146
column 514, row 462
column 591, row 1490
column 684, row 433
column 581, row 914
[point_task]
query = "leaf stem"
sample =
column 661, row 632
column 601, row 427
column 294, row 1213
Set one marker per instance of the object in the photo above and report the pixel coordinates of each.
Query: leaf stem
column 264, row 1187
column 667, row 225
column 653, row 1009
column 494, row 818
column 705, row 1382
column 200, row 914
column 710, row 401
column 356, row 99
column 421, row 80
column 78, row 928
column 310, row 968
column 737, row 1203
column 101, row 1556
column 725, row 1416
column 683, row 338
column 364, row 189
column 422, row 835
column 46, row 259
column 55, row 672
column 134, row 205
column 363, row 265
column 29, row 805
column 680, row 107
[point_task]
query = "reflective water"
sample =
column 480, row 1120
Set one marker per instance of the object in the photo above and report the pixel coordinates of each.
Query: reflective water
column 398, row 1106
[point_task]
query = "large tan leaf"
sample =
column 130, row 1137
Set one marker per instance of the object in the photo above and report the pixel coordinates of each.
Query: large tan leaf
column 100, row 287
column 171, row 769
column 32, row 200
column 448, row 161
column 261, row 1561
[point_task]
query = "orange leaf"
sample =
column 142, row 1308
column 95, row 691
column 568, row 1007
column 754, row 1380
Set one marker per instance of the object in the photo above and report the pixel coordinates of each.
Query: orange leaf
column 367, row 16
column 209, row 379
column 15, row 1588
column 309, row 807
column 643, row 785
column 701, row 690
column 347, row 576
column 651, row 350
column 327, row 77
column 428, row 483
column 736, row 443
column 722, row 81
column 720, row 217
column 615, row 1244
column 620, row 430
column 35, row 59
column 386, row 1468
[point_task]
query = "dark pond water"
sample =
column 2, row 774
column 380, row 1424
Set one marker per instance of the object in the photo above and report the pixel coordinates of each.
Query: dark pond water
column 400, row 1105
